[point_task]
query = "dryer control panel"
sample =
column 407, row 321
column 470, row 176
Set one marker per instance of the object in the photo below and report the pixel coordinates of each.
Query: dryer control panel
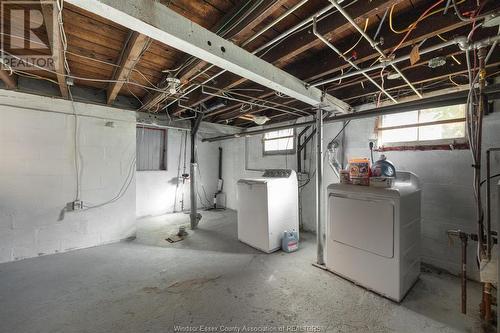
column 277, row 173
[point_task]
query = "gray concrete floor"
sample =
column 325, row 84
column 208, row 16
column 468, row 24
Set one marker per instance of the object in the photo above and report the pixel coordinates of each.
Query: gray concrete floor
column 211, row 279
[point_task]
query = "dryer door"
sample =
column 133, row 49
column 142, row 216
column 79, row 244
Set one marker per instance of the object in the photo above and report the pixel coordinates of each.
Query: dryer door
column 363, row 223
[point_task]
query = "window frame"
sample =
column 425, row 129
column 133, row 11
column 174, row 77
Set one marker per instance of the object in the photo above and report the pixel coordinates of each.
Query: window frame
column 432, row 144
column 163, row 157
column 279, row 152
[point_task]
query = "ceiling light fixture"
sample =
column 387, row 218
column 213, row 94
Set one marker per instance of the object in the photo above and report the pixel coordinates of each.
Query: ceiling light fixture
column 173, row 84
column 437, row 62
column 393, row 76
column 260, row 120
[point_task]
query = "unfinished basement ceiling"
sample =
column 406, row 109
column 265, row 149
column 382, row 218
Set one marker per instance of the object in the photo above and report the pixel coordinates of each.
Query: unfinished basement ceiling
column 99, row 53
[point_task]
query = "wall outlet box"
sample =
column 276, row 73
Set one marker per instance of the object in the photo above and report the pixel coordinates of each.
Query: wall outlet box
column 77, row 205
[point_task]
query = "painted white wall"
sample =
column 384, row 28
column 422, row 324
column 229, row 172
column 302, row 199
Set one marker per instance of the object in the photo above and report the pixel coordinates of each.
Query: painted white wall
column 446, row 176
column 161, row 192
column 447, row 196
column 234, row 163
column 38, row 178
column 234, row 169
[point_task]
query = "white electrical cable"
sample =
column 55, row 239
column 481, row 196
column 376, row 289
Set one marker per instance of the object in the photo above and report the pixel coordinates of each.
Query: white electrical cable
column 78, row 156
column 83, row 57
column 85, row 78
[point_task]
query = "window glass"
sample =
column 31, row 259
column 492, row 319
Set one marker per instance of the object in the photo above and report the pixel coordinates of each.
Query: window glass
column 282, row 141
column 150, row 146
column 410, row 127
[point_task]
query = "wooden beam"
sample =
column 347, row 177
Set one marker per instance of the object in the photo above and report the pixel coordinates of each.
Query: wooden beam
column 283, row 52
column 10, row 81
column 419, row 74
column 151, row 101
column 50, row 17
column 240, row 33
column 131, row 55
column 237, row 34
column 163, row 24
column 244, row 29
column 327, row 63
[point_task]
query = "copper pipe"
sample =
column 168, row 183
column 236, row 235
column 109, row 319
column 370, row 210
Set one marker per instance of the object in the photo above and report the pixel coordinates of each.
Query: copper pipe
column 464, row 238
column 486, row 303
column 486, row 313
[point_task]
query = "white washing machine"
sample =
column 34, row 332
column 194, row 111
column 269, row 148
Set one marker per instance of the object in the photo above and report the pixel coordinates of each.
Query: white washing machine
column 373, row 235
column 268, row 206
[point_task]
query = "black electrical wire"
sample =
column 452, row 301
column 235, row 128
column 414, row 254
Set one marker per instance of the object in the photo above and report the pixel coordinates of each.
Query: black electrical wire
column 491, row 177
column 308, row 180
column 336, row 136
column 341, row 130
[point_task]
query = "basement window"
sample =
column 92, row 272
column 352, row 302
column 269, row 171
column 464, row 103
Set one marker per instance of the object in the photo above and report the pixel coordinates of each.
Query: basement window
column 279, row 142
column 151, row 149
column 437, row 126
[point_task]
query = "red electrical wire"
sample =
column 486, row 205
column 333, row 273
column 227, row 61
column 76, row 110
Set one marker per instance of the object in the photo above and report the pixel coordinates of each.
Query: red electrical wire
column 414, row 25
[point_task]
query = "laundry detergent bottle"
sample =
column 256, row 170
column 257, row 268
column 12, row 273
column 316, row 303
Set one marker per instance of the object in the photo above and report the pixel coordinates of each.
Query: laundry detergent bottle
column 290, row 241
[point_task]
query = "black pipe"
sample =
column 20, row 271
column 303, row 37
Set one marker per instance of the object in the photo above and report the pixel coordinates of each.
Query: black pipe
column 195, row 125
column 460, row 97
column 489, row 243
column 306, row 141
column 194, row 216
column 300, row 148
column 220, row 162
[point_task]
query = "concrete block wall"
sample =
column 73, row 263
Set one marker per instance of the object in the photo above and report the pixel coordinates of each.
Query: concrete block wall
column 234, row 169
column 161, row 192
column 446, row 177
column 38, row 177
column 234, row 163
column 447, row 197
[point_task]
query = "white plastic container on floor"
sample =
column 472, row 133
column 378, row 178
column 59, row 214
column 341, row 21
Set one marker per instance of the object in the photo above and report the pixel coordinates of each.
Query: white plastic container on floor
column 290, row 241
column 267, row 206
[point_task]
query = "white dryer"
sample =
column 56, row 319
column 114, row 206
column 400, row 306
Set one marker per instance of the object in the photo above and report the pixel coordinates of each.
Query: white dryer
column 267, row 206
column 373, row 235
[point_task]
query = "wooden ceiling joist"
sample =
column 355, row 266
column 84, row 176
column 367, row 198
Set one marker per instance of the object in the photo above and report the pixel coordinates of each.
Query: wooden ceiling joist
column 9, row 80
column 161, row 23
column 102, row 48
column 238, row 35
column 153, row 100
column 131, row 55
column 326, row 62
column 415, row 74
column 300, row 43
column 50, row 17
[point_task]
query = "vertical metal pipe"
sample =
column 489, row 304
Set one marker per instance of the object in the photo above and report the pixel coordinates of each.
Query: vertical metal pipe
column 489, row 239
column 464, row 238
column 319, row 188
column 487, row 302
column 192, row 196
column 194, row 217
column 479, row 136
column 220, row 162
column 299, row 150
column 479, row 133
column 488, row 205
